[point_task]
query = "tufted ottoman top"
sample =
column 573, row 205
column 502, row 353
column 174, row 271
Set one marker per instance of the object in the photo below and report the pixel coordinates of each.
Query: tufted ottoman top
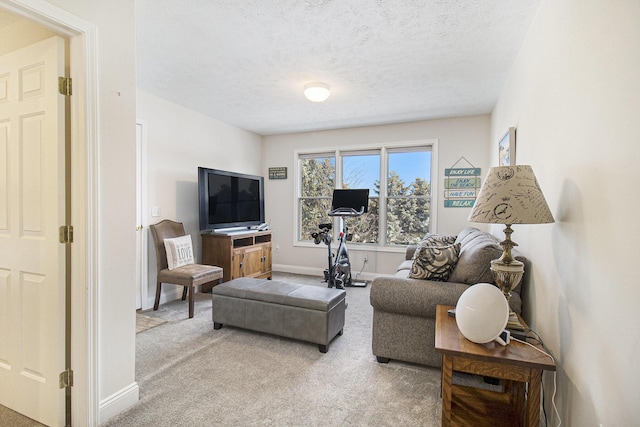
column 275, row 292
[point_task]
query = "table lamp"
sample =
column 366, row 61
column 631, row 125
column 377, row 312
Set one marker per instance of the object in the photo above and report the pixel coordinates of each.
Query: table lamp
column 482, row 313
column 510, row 195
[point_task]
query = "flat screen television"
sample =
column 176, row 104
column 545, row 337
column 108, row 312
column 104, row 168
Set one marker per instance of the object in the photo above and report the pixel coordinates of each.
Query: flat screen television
column 229, row 200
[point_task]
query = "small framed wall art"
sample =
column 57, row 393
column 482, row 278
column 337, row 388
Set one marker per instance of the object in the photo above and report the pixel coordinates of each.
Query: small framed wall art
column 278, row 173
column 507, row 148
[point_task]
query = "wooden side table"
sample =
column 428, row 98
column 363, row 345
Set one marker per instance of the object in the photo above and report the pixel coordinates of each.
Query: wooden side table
column 517, row 364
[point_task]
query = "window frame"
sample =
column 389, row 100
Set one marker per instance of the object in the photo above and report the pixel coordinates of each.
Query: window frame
column 383, row 149
column 340, row 184
column 383, row 209
column 297, row 205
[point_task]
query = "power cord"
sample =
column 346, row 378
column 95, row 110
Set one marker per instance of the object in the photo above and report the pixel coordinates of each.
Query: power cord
column 555, row 388
column 360, row 272
column 537, row 337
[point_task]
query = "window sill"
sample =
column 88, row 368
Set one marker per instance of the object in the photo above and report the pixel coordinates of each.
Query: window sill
column 355, row 247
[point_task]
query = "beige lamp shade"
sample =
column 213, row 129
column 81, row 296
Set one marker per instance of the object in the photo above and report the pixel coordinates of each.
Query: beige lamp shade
column 511, row 195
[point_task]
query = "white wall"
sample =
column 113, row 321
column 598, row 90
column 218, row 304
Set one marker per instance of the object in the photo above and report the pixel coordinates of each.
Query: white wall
column 115, row 56
column 178, row 141
column 116, row 235
column 115, row 61
column 574, row 95
column 457, row 137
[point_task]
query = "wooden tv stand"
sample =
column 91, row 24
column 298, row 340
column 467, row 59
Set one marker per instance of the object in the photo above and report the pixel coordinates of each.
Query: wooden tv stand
column 244, row 254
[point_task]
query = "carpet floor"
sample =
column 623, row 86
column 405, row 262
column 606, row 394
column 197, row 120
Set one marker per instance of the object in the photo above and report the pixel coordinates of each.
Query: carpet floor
column 9, row 418
column 144, row 323
column 192, row 375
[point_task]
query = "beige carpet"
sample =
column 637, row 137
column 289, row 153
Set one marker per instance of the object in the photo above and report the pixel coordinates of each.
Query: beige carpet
column 9, row 418
column 192, row 375
column 144, row 323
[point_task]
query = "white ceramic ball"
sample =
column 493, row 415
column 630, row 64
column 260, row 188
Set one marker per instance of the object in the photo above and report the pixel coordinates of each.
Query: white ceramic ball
column 482, row 313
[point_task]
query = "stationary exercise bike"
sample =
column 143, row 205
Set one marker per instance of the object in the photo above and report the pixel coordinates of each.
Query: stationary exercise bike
column 344, row 204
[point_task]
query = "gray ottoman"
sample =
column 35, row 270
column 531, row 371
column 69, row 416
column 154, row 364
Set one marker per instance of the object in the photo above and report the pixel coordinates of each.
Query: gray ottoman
column 308, row 313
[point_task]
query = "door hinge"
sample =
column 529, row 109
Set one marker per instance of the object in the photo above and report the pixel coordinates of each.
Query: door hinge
column 66, row 233
column 66, row 378
column 64, row 86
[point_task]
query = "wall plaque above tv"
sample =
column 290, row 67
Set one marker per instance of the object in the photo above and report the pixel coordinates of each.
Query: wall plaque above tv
column 229, row 200
column 278, row 173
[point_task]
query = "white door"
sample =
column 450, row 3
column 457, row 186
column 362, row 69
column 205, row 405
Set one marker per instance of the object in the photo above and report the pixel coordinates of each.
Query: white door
column 32, row 261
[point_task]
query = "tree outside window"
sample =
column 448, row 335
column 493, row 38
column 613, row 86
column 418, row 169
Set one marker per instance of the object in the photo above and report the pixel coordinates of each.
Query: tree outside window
column 362, row 170
column 317, row 181
column 400, row 215
column 408, row 196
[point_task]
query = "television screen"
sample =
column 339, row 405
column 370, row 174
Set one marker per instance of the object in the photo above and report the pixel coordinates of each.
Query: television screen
column 229, row 199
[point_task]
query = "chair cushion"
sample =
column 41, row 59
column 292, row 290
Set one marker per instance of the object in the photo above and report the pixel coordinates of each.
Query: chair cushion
column 179, row 251
column 190, row 274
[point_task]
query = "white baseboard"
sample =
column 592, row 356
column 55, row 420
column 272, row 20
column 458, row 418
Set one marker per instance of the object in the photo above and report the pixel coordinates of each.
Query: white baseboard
column 312, row 271
column 294, row 269
column 118, row 402
column 171, row 295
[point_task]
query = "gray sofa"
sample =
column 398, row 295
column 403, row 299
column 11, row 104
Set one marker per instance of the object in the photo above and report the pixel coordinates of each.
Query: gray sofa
column 404, row 309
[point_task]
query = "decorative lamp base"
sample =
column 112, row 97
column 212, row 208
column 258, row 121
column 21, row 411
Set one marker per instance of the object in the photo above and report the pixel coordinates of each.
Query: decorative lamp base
column 507, row 275
column 514, row 323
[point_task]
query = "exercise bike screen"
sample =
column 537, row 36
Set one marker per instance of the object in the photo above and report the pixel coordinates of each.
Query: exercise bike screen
column 351, row 199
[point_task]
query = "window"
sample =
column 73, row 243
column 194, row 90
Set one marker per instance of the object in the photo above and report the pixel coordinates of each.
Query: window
column 399, row 181
column 317, row 181
column 408, row 201
column 361, row 169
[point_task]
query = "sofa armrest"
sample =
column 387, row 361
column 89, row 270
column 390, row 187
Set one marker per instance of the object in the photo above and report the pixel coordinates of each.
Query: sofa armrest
column 414, row 297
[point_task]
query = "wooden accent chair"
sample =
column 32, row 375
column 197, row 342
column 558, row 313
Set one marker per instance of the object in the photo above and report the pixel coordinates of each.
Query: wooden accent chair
column 190, row 275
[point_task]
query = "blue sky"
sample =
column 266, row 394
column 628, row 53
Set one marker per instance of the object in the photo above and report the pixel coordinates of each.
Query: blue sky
column 409, row 165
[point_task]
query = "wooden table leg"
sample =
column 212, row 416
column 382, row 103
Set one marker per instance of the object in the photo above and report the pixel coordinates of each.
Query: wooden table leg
column 533, row 398
column 517, row 391
column 447, row 373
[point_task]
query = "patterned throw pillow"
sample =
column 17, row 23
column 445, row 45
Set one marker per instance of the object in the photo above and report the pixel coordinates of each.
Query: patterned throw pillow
column 434, row 262
column 437, row 240
column 179, row 251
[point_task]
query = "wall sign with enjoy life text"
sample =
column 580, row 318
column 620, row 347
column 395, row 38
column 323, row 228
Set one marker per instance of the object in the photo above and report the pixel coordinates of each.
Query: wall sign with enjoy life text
column 461, row 186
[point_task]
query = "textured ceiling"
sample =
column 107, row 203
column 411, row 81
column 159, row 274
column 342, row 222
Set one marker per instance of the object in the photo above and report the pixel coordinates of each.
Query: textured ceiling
column 245, row 62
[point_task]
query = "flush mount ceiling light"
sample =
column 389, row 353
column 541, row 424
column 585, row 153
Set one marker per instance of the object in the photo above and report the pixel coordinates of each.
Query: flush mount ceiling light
column 316, row 92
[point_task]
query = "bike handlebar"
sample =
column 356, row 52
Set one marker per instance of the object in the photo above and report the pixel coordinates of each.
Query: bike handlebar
column 346, row 212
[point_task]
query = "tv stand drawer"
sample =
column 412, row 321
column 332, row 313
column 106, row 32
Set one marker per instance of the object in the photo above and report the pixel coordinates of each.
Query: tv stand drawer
column 239, row 255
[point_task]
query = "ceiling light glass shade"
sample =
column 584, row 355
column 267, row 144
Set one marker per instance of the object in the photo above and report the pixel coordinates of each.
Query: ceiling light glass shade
column 316, row 92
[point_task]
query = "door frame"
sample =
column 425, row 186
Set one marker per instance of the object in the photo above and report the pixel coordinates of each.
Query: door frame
column 142, row 243
column 84, row 197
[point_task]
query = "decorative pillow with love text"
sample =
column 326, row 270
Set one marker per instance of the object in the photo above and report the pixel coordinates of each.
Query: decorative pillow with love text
column 179, row 251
